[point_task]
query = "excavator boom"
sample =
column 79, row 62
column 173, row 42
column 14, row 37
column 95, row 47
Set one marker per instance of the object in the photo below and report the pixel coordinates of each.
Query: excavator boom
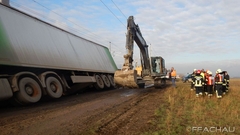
column 127, row 76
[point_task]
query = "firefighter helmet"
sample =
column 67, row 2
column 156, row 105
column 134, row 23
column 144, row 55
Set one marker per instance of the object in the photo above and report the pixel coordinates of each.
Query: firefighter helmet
column 219, row 71
column 209, row 72
column 198, row 71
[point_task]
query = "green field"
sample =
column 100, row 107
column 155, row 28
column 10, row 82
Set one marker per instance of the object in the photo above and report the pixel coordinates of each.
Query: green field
column 182, row 113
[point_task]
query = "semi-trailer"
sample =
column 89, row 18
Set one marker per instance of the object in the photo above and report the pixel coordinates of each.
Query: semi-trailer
column 38, row 58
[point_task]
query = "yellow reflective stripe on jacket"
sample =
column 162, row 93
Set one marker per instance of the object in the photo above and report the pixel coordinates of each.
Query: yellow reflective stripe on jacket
column 218, row 82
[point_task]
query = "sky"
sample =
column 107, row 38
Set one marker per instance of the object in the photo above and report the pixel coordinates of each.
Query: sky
column 188, row 34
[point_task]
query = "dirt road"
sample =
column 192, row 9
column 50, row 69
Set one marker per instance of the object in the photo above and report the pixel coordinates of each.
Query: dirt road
column 112, row 112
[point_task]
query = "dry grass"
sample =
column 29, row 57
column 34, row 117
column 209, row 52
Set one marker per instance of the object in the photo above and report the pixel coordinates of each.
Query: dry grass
column 182, row 112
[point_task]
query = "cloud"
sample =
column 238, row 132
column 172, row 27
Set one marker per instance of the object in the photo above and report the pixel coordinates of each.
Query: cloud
column 181, row 31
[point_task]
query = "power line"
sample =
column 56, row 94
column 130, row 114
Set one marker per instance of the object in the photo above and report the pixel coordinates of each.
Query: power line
column 112, row 12
column 66, row 26
column 72, row 22
column 118, row 8
column 62, row 17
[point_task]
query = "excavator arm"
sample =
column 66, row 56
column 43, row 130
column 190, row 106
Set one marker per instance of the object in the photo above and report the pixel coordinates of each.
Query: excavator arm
column 127, row 75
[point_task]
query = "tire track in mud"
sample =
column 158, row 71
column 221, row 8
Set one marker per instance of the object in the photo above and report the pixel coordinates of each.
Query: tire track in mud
column 104, row 116
column 78, row 116
column 112, row 112
column 12, row 114
column 17, row 119
column 110, row 120
column 117, row 122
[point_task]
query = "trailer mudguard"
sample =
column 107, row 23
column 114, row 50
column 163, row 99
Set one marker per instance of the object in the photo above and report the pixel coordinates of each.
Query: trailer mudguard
column 5, row 89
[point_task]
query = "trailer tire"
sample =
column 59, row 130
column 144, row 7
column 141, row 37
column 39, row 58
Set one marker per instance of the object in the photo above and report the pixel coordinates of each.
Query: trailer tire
column 29, row 91
column 99, row 85
column 111, row 80
column 54, row 88
column 106, row 81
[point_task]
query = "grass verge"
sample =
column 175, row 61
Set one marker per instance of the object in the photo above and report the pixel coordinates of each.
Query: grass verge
column 183, row 113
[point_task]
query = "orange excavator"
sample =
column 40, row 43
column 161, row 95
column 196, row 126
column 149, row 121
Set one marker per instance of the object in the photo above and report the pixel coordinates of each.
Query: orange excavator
column 153, row 68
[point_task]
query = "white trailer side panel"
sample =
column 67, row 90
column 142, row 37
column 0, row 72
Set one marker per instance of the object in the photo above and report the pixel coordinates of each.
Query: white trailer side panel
column 27, row 41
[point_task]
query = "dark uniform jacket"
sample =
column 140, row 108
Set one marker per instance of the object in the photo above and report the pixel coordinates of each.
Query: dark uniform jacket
column 198, row 81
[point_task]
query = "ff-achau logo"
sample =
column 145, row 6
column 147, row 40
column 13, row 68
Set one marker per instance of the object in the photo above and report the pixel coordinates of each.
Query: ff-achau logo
column 211, row 129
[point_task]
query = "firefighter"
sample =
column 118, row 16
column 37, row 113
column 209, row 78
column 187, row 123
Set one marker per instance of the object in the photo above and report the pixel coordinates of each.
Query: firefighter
column 204, row 86
column 209, row 83
column 198, row 83
column 202, row 73
column 193, row 75
column 205, row 82
column 224, row 84
column 227, row 80
column 218, row 83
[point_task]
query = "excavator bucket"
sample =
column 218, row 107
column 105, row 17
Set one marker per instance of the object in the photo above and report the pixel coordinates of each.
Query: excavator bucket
column 126, row 78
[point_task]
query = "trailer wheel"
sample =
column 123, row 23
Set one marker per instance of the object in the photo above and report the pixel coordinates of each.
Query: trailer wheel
column 111, row 80
column 54, row 87
column 29, row 91
column 99, row 83
column 106, row 81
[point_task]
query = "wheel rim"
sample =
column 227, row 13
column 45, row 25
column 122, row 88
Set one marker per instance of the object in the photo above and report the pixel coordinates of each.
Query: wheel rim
column 99, row 82
column 54, row 87
column 29, row 91
column 111, row 80
column 106, row 81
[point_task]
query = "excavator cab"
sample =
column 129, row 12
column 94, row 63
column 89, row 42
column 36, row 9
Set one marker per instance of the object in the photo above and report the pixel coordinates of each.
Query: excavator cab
column 157, row 66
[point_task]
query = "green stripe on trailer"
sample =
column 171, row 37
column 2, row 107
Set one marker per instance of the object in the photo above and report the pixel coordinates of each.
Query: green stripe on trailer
column 7, row 54
column 3, row 38
column 111, row 58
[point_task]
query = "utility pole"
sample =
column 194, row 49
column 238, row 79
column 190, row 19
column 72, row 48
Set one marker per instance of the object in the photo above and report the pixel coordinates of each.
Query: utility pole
column 110, row 47
column 150, row 54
